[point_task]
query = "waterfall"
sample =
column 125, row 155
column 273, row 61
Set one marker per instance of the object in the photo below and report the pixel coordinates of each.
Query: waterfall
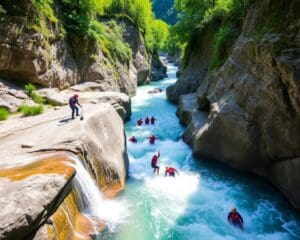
column 92, row 201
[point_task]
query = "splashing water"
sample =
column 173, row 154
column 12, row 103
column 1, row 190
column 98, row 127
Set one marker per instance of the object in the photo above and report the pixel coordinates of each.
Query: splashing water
column 195, row 204
column 113, row 212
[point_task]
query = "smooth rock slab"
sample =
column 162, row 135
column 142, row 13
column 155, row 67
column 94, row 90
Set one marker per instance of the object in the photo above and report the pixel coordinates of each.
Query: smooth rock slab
column 28, row 203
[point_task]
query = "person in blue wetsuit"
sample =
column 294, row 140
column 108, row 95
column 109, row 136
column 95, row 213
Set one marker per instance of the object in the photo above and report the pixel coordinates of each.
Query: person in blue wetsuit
column 73, row 102
column 235, row 219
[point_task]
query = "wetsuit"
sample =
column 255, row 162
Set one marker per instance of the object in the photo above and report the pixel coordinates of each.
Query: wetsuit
column 139, row 122
column 154, row 162
column 73, row 101
column 235, row 219
column 171, row 171
column 152, row 120
column 152, row 139
column 133, row 139
column 147, row 120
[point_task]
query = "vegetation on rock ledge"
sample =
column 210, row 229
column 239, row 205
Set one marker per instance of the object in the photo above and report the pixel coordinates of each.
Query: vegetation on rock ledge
column 81, row 20
column 223, row 17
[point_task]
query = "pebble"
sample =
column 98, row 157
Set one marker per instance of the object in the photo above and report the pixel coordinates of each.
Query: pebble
column 27, row 145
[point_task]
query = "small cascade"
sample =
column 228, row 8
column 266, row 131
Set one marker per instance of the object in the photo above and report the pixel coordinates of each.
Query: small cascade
column 92, row 202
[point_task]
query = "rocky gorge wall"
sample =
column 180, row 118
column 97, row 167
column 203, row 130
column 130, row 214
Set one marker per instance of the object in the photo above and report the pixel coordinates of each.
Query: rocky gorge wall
column 46, row 57
column 194, row 65
column 247, row 113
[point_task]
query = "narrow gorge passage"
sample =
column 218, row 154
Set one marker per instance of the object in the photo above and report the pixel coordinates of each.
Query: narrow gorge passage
column 195, row 204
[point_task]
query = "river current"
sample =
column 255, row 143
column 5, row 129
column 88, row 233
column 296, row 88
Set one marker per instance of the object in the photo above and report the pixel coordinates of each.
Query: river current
column 195, row 204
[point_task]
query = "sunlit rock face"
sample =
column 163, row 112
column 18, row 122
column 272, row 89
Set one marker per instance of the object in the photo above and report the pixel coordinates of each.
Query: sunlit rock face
column 38, row 183
column 253, row 105
column 50, row 60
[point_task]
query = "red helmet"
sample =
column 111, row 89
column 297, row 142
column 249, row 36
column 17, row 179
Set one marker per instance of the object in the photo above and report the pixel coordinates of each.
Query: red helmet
column 76, row 95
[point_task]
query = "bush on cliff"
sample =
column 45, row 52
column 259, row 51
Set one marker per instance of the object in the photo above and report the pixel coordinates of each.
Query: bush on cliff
column 30, row 110
column 222, row 17
column 140, row 13
column 31, row 92
column 224, row 38
column 3, row 113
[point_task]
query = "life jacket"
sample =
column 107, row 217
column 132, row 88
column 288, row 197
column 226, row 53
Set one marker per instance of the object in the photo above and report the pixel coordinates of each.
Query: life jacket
column 140, row 122
column 171, row 170
column 72, row 101
column 152, row 139
column 147, row 120
column 152, row 120
column 234, row 217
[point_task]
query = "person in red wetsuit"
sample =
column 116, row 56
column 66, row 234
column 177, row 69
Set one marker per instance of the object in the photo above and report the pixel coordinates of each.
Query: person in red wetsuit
column 154, row 163
column 152, row 139
column 147, row 120
column 133, row 139
column 139, row 122
column 152, row 120
column 171, row 172
column 235, row 219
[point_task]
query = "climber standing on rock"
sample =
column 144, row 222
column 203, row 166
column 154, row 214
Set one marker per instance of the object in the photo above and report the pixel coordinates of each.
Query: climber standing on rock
column 73, row 101
column 154, row 163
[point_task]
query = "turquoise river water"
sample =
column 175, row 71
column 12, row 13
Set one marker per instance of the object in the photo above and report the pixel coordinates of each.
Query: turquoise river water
column 194, row 205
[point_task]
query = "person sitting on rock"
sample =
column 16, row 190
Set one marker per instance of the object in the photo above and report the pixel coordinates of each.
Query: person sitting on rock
column 152, row 139
column 73, row 101
column 170, row 171
column 154, row 163
column 140, row 122
column 235, row 219
column 147, row 120
column 153, row 120
column 133, row 139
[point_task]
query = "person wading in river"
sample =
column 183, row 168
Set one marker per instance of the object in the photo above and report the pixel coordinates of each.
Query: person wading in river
column 147, row 120
column 139, row 122
column 154, row 163
column 235, row 219
column 171, row 172
column 73, row 101
column 152, row 120
column 152, row 139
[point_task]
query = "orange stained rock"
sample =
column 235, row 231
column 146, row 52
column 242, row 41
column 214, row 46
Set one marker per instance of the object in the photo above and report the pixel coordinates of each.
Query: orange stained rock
column 111, row 190
column 70, row 224
column 59, row 163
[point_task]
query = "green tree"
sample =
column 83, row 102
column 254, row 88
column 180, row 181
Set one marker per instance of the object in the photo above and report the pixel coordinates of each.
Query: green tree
column 160, row 31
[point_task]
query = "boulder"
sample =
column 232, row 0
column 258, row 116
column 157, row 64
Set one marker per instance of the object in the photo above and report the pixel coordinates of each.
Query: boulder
column 53, row 96
column 29, row 196
column 158, row 69
column 155, row 90
column 120, row 101
column 87, row 87
column 11, row 96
